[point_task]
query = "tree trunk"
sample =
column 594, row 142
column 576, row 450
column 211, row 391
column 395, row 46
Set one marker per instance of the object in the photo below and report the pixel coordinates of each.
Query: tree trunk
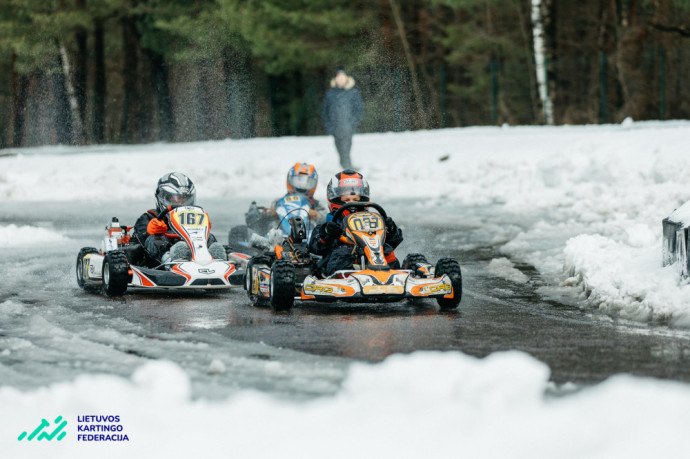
column 63, row 118
column 19, row 98
column 80, row 71
column 421, row 115
column 130, row 96
column 540, row 60
column 76, row 120
column 99, row 96
column 632, row 80
column 237, row 72
column 159, row 77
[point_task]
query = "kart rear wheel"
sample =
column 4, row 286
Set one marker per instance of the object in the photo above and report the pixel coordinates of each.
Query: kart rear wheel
column 115, row 273
column 451, row 268
column 80, row 269
column 412, row 260
column 256, row 299
column 282, row 285
column 238, row 234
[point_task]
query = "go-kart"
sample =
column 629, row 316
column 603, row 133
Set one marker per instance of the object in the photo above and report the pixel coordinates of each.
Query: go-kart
column 264, row 229
column 289, row 273
column 121, row 261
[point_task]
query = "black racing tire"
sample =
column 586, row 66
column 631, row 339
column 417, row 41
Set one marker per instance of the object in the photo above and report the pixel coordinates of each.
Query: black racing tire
column 238, row 234
column 115, row 273
column 257, row 300
column 450, row 267
column 80, row 269
column 282, row 285
column 410, row 261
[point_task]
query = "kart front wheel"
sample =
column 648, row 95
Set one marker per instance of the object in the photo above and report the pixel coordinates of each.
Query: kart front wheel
column 115, row 273
column 282, row 285
column 451, row 268
column 81, row 267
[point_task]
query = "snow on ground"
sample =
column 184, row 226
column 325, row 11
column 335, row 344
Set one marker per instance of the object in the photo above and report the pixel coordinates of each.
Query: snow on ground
column 555, row 183
column 582, row 204
column 428, row 404
column 503, row 267
column 13, row 235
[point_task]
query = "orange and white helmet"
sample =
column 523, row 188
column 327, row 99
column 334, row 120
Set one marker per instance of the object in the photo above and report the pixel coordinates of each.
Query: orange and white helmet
column 347, row 182
column 302, row 178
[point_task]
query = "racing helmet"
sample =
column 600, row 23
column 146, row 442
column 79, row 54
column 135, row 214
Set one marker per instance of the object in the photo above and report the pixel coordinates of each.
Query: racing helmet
column 347, row 182
column 174, row 189
column 302, row 178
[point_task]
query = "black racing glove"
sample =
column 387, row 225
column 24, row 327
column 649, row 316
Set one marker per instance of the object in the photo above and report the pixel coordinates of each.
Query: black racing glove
column 391, row 227
column 332, row 230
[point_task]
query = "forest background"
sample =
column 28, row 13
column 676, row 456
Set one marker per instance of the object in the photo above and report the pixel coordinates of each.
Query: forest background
column 133, row 71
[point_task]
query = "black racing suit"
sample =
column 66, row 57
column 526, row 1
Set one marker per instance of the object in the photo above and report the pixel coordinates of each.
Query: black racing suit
column 338, row 255
column 156, row 244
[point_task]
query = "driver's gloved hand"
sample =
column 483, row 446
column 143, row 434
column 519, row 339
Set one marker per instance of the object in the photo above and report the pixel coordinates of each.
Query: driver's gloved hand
column 332, row 230
column 391, row 227
column 156, row 226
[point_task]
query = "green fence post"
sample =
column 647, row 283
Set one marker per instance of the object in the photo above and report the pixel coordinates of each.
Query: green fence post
column 662, row 82
column 494, row 93
column 443, row 96
column 602, row 73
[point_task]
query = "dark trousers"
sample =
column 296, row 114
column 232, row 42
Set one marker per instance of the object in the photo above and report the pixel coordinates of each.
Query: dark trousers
column 343, row 143
column 342, row 258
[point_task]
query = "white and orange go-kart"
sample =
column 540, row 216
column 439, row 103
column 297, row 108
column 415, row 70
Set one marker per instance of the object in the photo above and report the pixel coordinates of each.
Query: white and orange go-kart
column 120, row 262
column 285, row 275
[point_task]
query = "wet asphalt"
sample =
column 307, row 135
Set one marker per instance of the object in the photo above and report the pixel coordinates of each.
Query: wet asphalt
column 579, row 344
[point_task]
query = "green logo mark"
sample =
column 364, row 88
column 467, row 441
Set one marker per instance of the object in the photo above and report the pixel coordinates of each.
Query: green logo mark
column 47, row 436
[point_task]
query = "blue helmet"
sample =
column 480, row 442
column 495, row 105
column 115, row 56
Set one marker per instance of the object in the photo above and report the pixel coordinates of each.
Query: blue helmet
column 302, row 178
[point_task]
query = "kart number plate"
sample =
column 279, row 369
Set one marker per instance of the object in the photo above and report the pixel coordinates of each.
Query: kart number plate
column 365, row 221
column 382, row 289
column 192, row 218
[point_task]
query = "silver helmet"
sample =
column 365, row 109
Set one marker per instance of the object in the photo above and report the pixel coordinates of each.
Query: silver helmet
column 174, row 189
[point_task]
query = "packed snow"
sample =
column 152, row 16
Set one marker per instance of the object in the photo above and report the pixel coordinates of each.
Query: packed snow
column 13, row 235
column 503, row 267
column 428, row 404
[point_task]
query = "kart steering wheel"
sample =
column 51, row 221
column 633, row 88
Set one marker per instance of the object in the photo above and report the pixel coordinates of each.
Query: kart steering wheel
column 165, row 212
column 358, row 205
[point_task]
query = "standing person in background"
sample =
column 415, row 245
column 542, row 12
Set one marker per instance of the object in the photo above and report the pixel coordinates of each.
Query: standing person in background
column 342, row 113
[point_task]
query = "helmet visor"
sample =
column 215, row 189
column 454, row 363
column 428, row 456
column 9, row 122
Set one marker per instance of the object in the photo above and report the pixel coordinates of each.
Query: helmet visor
column 176, row 199
column 349, row 187
column 302, row 182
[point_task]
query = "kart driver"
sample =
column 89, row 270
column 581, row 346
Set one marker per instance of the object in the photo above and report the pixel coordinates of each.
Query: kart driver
column 302, row 178
column 174, row 189
column 347, row 186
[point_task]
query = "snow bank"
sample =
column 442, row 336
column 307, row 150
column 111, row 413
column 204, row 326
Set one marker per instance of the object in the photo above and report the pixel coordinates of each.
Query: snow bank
column 426, row 404
column 13, row 235
column 544, row 185
column 627, row 281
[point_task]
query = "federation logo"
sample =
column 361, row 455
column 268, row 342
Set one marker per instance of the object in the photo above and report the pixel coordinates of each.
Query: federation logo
column 60, row 423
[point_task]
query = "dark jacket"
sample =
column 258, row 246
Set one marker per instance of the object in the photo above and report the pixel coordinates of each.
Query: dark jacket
column 140, row 232
column 320, row 244
column 342, row 109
